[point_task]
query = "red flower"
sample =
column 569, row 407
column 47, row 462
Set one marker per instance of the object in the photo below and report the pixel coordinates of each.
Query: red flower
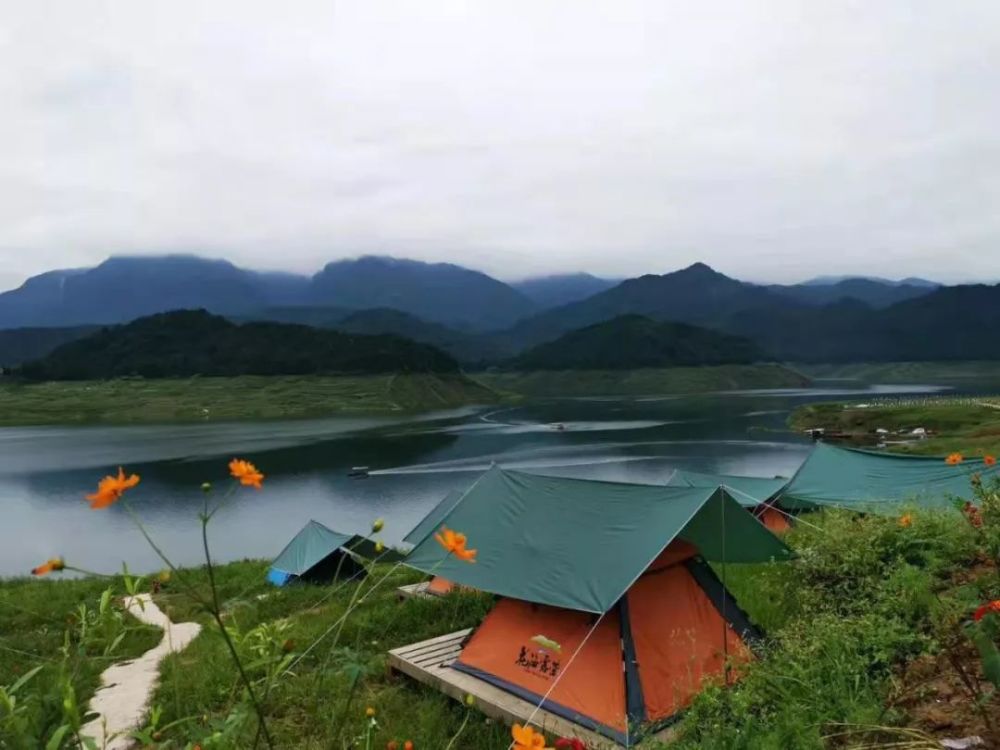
column 984, row 610
column 572, row 743
column 973, row 515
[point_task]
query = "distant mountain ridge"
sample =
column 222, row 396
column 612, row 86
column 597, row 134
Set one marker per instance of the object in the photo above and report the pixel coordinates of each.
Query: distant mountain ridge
column 480, row 320
column 872, row 292
column 437, row 292
column 125, row 288
column 561, row 289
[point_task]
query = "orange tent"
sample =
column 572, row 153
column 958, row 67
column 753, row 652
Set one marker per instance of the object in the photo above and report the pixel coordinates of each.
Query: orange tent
column 636, row 666
column 608, row 613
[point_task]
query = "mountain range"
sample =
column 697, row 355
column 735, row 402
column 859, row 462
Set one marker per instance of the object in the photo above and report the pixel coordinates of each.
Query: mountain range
column 480, row 320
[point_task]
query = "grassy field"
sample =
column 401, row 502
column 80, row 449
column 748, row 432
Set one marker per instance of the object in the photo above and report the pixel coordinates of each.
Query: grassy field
column 967, row 424
column 132, row 401
column 643, row 382
column 867, row 607
column 907, row 372
column 141, row 401
column 62, row 628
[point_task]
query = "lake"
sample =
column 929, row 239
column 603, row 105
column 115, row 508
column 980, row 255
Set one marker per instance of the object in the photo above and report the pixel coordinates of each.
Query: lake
column 415, row 460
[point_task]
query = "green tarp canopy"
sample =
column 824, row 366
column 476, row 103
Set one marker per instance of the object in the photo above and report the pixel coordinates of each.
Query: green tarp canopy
column 432, row 521
column 580, row 544
column 877, row 482
column 313, row 544
column 747, row 491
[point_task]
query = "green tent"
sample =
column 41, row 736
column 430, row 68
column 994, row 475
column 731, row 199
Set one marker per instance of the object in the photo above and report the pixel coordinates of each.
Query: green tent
column 580, row 544
column 316, row 553
column 432, row 521
column 747, row 491
column 878, row 482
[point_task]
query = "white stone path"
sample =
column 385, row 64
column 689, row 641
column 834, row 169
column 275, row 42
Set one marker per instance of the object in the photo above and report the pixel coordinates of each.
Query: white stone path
column 126, row 688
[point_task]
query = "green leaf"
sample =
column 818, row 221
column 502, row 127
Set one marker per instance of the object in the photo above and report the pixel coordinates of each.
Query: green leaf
column 24, row 678
column 55, row 742
column 990, row 655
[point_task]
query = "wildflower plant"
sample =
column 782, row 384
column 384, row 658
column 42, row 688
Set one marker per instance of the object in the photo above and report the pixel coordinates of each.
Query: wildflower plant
column 262, row 656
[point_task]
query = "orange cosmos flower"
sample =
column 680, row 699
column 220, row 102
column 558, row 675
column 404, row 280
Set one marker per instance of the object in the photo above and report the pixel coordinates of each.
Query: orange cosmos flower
column 906, row 521
column 246, row 472
column 990, row 460
column 49, row 566
column 525, row 738
column 110, row 489
column 954, row 459
column 455, row 542
column 993, row 606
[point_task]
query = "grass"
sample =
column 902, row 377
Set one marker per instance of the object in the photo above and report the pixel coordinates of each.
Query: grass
column 907, row 372
column 970, row 425
column 41, row 619
column 247, row 398
column 865, row 598
column 135, row 401
column 643, row 382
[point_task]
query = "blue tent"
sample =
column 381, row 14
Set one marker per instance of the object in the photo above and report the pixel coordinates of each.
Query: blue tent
column 317, row 553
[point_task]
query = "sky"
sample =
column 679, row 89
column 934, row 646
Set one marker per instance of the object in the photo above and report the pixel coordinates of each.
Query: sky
column 775, row 140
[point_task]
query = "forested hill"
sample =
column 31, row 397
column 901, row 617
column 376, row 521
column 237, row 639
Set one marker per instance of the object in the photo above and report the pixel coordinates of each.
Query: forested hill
column 634, row 341
column 193, row 342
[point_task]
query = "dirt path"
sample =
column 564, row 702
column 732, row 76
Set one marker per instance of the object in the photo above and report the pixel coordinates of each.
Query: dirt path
column 126, row 688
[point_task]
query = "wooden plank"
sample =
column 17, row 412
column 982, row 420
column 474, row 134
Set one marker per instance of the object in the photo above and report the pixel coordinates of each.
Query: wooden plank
column 457, row 636
column 491, row 700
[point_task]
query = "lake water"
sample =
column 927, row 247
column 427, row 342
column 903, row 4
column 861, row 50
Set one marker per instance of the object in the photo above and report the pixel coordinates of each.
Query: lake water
column 45, row 471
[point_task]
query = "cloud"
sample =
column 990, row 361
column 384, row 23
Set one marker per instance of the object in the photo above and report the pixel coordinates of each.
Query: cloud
column 774, row 140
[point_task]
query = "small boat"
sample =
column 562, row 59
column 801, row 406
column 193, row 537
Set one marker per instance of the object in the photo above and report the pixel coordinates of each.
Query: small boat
column 559, row 427
column 358, row 472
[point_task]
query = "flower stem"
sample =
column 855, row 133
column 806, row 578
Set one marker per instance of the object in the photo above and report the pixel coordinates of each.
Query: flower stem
column 468, row 713
column 217, row 615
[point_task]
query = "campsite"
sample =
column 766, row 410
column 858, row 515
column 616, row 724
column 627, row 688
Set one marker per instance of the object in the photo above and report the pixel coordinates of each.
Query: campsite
column 512, row 375
column 703, row 610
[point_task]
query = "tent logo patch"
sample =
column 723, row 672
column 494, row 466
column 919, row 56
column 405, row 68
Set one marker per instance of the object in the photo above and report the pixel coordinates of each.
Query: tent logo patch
column 538, row 661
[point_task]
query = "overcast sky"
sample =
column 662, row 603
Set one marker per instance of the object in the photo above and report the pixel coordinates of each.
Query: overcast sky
column 773, row 140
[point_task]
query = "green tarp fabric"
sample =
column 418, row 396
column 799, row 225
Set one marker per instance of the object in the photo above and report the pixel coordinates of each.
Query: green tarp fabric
column 580, row 544
column 314, row 543
column 877, row 482
column 432, row 521
column 747, row 491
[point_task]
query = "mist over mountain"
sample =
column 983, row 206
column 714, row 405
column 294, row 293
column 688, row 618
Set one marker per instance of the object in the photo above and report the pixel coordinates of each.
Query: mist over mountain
column 876, row 293
column 909, row 281
column 561, row 289
column 437, row 292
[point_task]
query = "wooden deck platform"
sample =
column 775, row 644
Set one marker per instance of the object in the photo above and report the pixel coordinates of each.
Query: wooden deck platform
column 415, row 591
column 429, row 662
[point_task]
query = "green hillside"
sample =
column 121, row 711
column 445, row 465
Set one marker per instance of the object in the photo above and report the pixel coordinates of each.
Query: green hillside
column 633, row 341
column 193, row 342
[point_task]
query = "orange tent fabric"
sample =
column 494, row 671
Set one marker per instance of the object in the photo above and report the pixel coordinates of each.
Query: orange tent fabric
column 440, row 586
column 678, row 636
column 648, row 667
column 592, row 687
column 774, row 520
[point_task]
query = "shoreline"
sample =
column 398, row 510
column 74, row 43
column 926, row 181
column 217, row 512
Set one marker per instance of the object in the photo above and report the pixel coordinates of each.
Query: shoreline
column 250, row 398
column 963, row 424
